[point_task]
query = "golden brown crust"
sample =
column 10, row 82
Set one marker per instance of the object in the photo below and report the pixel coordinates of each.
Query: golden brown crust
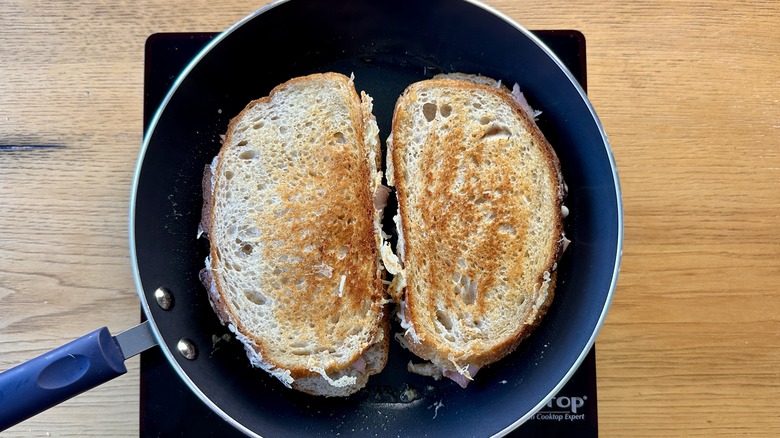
column 458, row 195
column 319, row 237
column 372, row 363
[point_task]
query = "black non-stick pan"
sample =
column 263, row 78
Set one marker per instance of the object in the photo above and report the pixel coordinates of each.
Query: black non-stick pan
column 387, row 45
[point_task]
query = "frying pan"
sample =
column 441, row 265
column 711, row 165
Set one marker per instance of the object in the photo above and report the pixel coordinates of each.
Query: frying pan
column 387, row 44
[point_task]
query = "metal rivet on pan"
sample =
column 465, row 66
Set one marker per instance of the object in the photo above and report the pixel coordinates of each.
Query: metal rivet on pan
column 164, row 298
column 187, row 349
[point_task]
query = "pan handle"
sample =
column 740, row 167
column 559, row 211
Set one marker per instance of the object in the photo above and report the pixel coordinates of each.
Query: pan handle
column 67, row 371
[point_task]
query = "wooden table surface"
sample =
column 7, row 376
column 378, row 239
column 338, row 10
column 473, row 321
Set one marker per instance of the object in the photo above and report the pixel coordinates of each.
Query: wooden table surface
column 689, row 95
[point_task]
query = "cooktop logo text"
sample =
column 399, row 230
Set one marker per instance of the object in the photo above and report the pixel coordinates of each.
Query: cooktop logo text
column 563, row 409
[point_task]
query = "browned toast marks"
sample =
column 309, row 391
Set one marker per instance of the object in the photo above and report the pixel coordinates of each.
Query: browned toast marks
column 480, row 220
column 294, row 231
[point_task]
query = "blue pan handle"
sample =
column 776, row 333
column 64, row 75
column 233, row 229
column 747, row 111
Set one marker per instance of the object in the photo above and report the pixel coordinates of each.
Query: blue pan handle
column 65, row 372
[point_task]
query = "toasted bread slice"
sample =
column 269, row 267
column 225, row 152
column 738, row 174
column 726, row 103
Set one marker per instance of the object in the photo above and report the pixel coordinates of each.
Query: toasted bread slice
column 480, row 227
column 294, row 231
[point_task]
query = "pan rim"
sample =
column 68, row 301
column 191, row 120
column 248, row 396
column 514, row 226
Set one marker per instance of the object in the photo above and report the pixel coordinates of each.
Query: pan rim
column 169, row 354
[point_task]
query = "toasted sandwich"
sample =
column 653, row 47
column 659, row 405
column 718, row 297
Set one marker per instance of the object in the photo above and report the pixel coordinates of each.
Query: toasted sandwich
column 480, row 222
column 292, row 210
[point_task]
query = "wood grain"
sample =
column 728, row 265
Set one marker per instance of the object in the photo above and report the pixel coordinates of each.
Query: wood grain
column 688, row 94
